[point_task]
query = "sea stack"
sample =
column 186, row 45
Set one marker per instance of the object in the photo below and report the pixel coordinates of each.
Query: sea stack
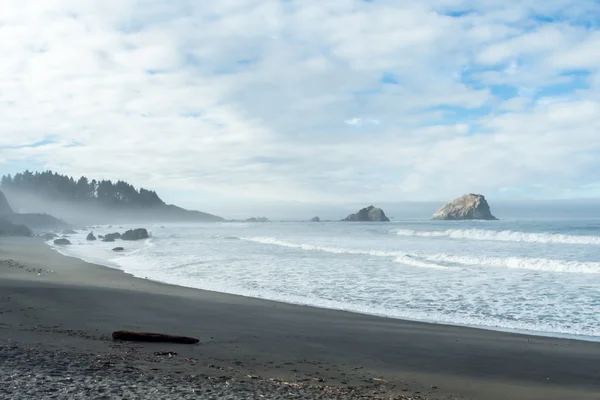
column 135, row 234
column 368, row 214
column 468, row 207
column 259, row 219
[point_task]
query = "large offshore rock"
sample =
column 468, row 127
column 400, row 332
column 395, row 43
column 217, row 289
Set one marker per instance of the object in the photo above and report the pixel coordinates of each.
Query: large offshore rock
column 111, row 237
column 469, row 206
column 368, row 214
column 135, row 234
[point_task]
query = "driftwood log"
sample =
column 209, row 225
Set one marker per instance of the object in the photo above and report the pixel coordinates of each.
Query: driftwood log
column 152, row 337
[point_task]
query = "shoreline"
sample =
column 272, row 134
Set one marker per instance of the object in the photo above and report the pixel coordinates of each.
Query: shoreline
column 526, row 332
column 75, row 308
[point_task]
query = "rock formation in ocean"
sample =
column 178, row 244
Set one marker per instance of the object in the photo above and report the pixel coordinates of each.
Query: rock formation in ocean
column 135, row 234
column 111, row 237
column 118, row 249
column 5, row 208
column 90, row 236
column 368, row 214
column 62, row 241
column 259, row 219
column 470, row 206
column 315, row 219
column 50, row 236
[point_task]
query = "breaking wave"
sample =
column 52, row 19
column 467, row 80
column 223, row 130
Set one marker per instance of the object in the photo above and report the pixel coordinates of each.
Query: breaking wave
column 530, row 263
column 503, row 236
column 446, row 261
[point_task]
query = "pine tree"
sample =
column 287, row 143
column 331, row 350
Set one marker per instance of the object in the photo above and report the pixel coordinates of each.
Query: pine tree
column 62, row 187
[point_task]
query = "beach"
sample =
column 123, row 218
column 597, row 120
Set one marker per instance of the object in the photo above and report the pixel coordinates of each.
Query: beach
column 57, row 314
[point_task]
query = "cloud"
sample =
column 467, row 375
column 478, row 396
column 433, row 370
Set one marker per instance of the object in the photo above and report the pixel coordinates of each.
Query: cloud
column 361, row 121
column 256, row 101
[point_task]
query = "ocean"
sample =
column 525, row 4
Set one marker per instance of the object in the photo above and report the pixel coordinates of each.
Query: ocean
column 540, row 276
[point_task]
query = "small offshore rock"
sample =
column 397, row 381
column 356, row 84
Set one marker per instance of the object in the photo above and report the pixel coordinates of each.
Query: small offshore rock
column 90, row 236
column 62, row 242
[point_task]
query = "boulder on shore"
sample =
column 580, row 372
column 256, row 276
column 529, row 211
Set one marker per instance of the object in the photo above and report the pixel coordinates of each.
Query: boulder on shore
column 90, row 236
column 315, row 219
column 468, row 207
column 62, row 242
column 135, row 234
column 368, row 214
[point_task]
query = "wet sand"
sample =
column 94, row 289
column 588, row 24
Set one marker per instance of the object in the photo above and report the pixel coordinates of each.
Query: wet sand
column 250, row 346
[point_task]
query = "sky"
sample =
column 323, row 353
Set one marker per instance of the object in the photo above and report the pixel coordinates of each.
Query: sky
column 240, row 104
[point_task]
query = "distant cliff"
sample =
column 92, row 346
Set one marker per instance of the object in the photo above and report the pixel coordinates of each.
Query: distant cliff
column 5, row 208
column 15, row 222
column 85, row 200
column 7, row 228
column 37, row 221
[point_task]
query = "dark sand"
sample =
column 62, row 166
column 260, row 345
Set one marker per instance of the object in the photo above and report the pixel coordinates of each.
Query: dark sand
column 250, row 342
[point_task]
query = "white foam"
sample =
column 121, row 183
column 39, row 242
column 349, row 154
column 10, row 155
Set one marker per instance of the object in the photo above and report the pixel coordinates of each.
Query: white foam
column 536, row 264
column 433, row 260
column 414, row 262
column 327, row 249
column 503, row 236
column 364, row 277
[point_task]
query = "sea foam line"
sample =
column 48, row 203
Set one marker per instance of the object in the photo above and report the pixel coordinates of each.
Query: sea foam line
column 326, row 249
column 440, row 261
column 503, row 236
column 530, row 263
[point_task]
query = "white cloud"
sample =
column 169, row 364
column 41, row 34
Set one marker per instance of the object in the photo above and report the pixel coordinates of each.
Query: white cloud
column 362, row 121
column 259, row 100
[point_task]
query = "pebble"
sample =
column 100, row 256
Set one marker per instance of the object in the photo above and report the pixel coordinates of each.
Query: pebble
column 28, row 373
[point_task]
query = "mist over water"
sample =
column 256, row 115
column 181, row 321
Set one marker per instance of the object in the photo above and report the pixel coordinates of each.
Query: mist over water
column 536, row 275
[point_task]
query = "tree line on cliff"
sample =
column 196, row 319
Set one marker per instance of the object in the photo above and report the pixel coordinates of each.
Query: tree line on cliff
column 65, row 188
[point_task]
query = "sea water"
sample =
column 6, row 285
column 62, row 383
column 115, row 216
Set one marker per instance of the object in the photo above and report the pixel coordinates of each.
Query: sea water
column 532, row 276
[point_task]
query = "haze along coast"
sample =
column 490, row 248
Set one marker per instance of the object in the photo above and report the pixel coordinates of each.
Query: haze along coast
column 57, row 315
